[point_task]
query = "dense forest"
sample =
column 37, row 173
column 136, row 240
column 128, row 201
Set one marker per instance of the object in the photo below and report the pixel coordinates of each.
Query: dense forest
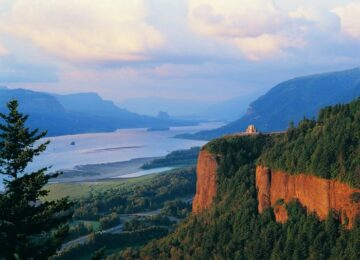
column 328, row 147
column 131, row 199
column 233, row 229
column 166, row 194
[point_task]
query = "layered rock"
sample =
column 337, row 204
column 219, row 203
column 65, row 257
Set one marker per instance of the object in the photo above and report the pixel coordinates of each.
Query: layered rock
column 316, row 194
column 206, row 181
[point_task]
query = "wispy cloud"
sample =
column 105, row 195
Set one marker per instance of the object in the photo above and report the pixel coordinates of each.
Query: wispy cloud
column 259, row 28
column 184, row 48
column 12, row 71
column 82, row 30
column 3, row 50
column 350, row 19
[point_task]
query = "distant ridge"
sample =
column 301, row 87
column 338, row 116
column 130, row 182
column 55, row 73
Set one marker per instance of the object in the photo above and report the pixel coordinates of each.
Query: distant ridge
column 292, row 100
column 77, row 113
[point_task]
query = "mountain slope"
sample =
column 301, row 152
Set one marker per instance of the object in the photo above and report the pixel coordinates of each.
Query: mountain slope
column 245, row 211
column 77, row 113
column 292, row 100
column 92, row 104
column 229, row 110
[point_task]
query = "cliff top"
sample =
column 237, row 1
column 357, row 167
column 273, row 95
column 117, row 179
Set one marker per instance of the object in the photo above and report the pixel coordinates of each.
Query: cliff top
column 328, row 147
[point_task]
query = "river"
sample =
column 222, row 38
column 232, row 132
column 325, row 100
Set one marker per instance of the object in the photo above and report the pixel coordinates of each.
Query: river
column 66, row 152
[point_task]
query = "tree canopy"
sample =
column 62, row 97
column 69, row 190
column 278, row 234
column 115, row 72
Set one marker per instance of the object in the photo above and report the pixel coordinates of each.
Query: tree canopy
column 29, row 228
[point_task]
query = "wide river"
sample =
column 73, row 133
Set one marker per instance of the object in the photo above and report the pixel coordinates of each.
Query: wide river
column 122, row 145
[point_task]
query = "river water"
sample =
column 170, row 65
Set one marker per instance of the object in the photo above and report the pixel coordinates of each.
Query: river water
column 122, row 145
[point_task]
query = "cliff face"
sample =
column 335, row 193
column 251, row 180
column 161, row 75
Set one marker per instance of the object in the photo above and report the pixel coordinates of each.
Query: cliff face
column 206, row 181
column 316, row 194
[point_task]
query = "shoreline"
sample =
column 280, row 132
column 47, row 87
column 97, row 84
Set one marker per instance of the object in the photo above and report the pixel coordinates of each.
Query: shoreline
column 102, row 171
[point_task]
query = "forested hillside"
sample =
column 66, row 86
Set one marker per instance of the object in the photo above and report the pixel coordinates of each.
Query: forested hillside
column 328, row 148
column 291, row 101
column 234, row 229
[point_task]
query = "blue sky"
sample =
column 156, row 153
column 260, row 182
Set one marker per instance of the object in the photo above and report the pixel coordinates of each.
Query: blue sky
column 207, row 50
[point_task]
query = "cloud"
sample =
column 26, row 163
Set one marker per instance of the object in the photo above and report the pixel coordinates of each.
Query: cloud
column 349, row 17
column 3, row 50
column 259, row 28
column 12, row 70
column 82, row 30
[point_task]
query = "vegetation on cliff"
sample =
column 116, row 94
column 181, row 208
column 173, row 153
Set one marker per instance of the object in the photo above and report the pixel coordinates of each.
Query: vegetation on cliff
column 328, row 148
column 233, row 229
column 176, row 158
column 292, row 100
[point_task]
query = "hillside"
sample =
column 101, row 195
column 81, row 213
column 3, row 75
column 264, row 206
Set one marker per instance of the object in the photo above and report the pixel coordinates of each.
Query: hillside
column 328, row 148
column 293, row 100
column 228, row 110
column 77, row 113
column 92, row 104
column 245, row 209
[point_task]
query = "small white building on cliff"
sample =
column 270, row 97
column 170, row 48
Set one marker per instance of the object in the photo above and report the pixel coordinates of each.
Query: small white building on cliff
column 251, row 129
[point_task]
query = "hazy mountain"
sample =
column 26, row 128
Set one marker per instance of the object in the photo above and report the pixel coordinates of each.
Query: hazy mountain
column 77, row 113
column 225, row 110
column 175, row 107
column 93, row 104
column 230, row 109
column 45, row 111
column 31, row 101
column 292, row 100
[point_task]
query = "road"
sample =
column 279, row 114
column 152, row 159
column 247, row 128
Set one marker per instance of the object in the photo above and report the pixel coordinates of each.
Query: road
column 84, row 239
column 119, row 228
column 114, row 230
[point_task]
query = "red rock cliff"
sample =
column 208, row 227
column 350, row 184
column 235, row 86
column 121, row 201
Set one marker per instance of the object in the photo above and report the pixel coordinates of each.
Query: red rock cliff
column 316, row 194
column 206, row 181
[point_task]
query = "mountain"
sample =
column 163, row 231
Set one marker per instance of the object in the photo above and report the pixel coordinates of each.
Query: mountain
column 92, row 104
column 45, row 110
column 294, row 195
column 226, row 110
column 152, row 105
column 292, row 100
column 77, row 113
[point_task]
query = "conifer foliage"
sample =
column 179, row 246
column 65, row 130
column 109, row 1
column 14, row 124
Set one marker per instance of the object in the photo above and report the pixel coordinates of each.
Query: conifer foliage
column 29, row 228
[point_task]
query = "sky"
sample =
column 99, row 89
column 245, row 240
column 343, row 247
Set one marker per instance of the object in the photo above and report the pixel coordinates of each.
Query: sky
column 205, row 50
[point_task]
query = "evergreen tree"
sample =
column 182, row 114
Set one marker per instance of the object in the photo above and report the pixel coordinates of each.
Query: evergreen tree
column 29, row 228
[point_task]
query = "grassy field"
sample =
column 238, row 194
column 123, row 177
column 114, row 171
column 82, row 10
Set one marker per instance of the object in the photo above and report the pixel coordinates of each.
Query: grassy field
column 82, row 189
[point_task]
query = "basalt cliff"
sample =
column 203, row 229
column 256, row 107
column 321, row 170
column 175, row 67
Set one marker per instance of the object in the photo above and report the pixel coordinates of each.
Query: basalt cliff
column 206, row 181
column 276, row 188
column 287, row 195
column 316, row 194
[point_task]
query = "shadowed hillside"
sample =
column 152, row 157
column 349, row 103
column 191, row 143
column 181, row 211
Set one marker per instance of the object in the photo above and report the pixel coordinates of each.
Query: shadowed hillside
column 293, row 100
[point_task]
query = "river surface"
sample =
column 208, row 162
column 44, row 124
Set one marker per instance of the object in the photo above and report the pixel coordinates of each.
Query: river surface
column 122, row 145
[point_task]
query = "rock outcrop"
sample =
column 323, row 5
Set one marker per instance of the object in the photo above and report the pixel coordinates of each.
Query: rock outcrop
column 206, row 181
column 316, row 194
column 276, row 188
